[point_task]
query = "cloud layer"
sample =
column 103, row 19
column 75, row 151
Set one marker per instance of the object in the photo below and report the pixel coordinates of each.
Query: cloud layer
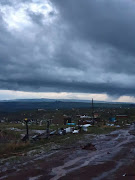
column 68, row 46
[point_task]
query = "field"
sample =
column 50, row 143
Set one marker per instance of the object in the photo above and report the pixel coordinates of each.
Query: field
column 11, row 139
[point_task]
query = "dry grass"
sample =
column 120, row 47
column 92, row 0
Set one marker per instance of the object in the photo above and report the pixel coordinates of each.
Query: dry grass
column 13, row 147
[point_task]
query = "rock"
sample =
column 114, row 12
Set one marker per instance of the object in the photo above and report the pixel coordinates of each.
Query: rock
column 89, row 146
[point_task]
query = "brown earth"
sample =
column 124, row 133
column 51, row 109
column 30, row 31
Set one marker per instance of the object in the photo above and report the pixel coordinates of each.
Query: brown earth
column 113, row 157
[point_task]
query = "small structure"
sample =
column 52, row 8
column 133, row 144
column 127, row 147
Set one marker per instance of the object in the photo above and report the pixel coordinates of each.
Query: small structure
column 96, row 115
column 69, row 130
column 121, row 116
column 85, row 120
column 40, row 124
column 85, row 117
column 71, row 124
column 112, row 119
column 75, row 131
column 2, row 121
column 84, row 127
column 67, row 119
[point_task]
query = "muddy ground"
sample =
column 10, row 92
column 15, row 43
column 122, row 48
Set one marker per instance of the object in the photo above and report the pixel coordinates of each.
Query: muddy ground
column 114, row 158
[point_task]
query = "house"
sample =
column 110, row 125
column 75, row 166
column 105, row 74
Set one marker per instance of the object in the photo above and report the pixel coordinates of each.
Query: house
column 121, row 117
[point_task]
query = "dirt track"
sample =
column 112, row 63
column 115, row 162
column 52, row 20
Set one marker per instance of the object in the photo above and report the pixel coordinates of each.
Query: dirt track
column 114, row 157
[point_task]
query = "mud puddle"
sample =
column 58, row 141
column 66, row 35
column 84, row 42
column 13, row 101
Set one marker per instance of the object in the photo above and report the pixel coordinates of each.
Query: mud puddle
column 107, row 148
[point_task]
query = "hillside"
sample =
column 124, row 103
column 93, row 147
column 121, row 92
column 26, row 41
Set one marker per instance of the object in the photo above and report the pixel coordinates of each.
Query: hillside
column 18, row 105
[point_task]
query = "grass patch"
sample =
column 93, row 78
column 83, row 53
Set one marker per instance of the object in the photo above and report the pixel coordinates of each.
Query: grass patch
column 8, row 135
column 11, row 125
column 13, row 147
column 9, row 149
column 65, row 140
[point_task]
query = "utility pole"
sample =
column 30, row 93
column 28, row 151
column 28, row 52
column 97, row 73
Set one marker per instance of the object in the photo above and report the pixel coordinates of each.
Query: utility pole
column 93, row 112
column 48, row 125
column 27, row 128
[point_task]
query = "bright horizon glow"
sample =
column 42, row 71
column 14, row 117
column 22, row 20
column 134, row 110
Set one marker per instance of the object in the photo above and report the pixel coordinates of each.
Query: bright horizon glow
column 11, row 95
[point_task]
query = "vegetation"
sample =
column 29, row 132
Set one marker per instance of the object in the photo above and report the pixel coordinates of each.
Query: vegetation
column 12, row 129
column 14, row 145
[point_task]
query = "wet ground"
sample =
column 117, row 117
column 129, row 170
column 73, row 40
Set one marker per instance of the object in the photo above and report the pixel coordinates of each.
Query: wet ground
column 113, row 159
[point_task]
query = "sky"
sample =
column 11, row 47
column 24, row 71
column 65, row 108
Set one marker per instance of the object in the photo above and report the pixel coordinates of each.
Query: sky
column 72, row 49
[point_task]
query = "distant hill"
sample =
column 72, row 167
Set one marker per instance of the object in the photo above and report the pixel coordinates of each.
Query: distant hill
column 31, row 104
column 61, row 100
column 48, row 100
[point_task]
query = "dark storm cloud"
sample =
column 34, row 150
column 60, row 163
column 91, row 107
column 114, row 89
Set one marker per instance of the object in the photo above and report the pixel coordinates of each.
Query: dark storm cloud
column 109, row 22
column 59, row 86
column 75, row 46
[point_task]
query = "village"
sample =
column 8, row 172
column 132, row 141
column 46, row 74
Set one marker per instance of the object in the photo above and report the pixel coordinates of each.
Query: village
column 41, row 124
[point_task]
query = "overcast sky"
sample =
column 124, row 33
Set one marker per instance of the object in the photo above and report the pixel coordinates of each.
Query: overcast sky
column 67, row 49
